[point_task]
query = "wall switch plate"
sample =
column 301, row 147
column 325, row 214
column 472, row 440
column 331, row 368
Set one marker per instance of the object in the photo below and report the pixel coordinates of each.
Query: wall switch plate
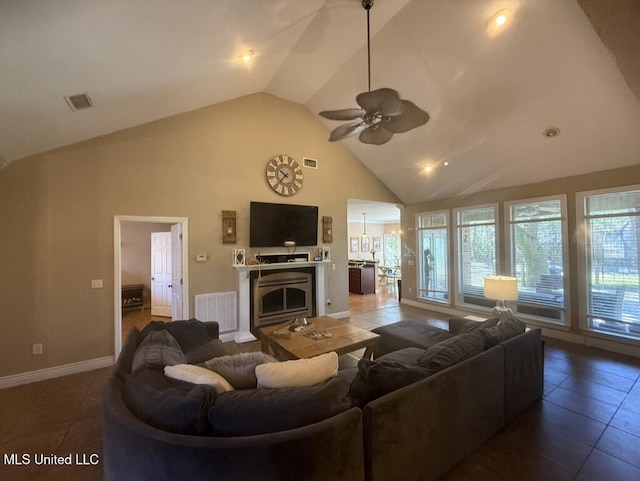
column 36, row 349
column 201, row 258
column 96, row 284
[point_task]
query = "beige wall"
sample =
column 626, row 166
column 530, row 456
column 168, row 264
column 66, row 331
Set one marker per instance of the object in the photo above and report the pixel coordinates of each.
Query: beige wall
column 57, row 210
column 569, row 186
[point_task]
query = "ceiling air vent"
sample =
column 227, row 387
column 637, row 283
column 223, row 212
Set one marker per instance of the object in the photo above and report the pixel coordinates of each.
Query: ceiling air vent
column 78, row 102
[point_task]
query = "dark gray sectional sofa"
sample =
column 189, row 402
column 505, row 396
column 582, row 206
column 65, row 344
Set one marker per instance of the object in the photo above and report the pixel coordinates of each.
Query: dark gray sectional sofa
column 134, row 450
column 416, row 431
column 422, row 430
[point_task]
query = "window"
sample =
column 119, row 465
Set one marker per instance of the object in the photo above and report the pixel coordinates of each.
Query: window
column 391, row 254
column 538, row 245
column 476, row 256
column 433, row 256
column 611, row 221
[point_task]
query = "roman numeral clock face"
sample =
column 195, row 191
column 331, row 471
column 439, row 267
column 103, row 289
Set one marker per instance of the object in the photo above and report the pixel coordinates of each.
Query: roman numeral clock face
column 284, row 175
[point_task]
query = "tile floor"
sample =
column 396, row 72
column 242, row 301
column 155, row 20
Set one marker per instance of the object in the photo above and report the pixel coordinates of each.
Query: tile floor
column 586, row 428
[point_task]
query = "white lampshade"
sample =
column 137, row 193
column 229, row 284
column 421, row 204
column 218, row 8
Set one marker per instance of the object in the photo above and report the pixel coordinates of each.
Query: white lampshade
column 502, row 288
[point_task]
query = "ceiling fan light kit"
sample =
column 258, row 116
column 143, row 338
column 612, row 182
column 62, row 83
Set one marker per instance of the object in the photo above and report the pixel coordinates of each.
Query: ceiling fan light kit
column 382, row 112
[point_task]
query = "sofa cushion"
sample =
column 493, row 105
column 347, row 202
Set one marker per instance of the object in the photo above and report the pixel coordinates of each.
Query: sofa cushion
column 258, row 411
column 166, row 404
column 408, row 355
column 503, row 330
column 379, row 377
column 158, row 349
column 297, row 373
column 407, row 334
column 239, row 369
column 210, row 349
column 452, row 351
column 198, row 375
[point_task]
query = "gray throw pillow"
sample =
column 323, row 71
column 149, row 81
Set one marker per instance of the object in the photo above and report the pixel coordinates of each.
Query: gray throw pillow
column 377, row 378
column 473, row 325
column 158, row 349
column 503, row 330
column 452, row 351
column 239, row 369
column 206, row 351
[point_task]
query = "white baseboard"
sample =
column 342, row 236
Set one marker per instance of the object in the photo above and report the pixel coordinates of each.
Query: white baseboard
column 339, row 315
column 56, row 371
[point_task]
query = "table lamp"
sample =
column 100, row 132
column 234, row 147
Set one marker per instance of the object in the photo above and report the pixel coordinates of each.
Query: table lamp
column 501, row 288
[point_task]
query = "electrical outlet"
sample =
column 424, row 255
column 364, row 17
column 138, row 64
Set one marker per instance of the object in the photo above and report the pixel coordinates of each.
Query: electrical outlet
column 96, row 284
column 328, row 301
column 36, row 349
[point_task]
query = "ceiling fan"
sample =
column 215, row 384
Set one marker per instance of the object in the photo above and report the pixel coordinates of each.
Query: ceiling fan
column 382, row 112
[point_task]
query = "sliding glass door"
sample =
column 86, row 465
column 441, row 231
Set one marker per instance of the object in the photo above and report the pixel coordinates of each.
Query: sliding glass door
column 433, row 257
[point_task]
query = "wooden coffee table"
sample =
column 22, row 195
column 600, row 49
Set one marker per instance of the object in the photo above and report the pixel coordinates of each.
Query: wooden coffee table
column 344, row 338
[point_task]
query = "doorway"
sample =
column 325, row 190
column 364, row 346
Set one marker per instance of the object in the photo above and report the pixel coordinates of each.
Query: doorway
column 375, row 245
column 177, row 228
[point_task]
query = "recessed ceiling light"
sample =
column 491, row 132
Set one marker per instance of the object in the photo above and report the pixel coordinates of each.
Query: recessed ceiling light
column 498, row 22
column 551, row 132
column 428, row 169
column 445, row 163
column 246, row 56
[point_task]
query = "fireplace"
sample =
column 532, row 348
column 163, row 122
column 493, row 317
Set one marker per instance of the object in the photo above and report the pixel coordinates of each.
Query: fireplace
column 280, row 295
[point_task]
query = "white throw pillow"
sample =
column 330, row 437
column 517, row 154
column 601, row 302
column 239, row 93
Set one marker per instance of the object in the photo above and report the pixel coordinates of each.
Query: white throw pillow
column 298, row 373
column 198, row 375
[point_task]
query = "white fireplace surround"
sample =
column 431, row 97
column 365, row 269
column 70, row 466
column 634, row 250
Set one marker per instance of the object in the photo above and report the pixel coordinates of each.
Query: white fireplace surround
column 244, row 292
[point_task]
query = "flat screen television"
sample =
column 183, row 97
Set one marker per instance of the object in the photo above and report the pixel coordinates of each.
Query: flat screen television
column 271, row 225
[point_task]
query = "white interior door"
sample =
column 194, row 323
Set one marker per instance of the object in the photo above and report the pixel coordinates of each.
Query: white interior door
column 176, row 270
column 161, row 280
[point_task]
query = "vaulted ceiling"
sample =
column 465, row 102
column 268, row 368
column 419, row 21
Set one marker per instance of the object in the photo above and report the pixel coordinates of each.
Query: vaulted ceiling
column 491, row 91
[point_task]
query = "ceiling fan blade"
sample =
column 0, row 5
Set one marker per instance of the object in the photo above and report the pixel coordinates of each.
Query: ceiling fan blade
column 376, row 134
column 344, row 114
column 347, row 130
column 412, row 117
column 386, row 101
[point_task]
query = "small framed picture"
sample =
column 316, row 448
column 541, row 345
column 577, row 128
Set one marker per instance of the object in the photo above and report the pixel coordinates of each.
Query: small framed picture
column 354, row 243
column 366, row 244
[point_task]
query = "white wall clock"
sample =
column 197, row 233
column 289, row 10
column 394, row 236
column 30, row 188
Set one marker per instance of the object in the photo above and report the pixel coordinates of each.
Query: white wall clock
column 284, row 175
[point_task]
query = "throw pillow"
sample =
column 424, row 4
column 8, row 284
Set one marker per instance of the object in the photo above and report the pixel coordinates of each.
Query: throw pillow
column 208, row 350
column 198, row 375
column 239, row 369
column 377, row 378
column 452, row 351
column 503, row 330
column 158, row 349
column 173, row 406
column 125, row 359
column 189, row 334
column 474, row 326
column 301, row 372
column 259, row 411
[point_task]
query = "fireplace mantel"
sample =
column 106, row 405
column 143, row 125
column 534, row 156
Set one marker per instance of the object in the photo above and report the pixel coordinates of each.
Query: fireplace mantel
column 244, row 291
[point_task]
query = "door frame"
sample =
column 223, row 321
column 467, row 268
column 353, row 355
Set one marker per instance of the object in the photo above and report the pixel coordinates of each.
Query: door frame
column 117, row 267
